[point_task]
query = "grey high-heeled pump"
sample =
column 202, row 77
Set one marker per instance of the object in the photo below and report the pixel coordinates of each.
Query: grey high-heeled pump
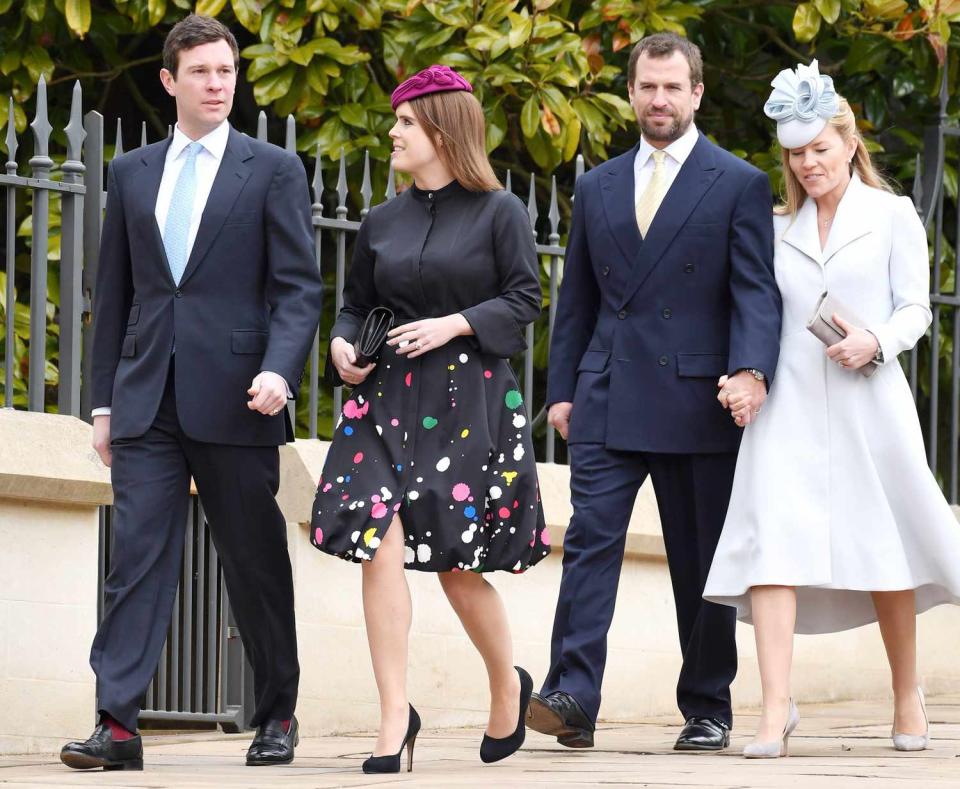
column 913, row 742
column 775, row 748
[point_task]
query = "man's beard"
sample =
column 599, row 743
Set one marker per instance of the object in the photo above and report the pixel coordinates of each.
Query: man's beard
column 672, row 132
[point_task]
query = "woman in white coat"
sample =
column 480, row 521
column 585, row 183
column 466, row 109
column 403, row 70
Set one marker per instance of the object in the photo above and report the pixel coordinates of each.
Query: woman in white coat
column 835, row 520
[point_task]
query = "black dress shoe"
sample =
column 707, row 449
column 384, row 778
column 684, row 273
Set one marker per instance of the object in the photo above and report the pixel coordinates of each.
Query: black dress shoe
column 493, row 749
column 703, row 734
column 273, row 745
column 101, row 750
column 559, row 715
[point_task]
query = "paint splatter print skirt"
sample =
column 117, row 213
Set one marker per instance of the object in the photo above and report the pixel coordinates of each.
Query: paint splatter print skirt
column 444, row 441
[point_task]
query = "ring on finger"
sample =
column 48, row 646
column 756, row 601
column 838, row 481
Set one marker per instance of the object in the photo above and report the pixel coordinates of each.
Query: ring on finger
column 417, row 345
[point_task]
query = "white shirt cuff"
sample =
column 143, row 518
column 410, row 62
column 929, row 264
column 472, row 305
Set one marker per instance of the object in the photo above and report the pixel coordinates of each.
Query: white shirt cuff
column 105, row 411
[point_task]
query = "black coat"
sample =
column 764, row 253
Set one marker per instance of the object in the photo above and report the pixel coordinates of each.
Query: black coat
column 442, row 439
column 249, row 299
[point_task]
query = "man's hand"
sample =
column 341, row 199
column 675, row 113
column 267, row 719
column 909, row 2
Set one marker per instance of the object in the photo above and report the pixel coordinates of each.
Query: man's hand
column 269, row 393
column 101, row 438
column 415, row 339
column 742, row 395
column 344, row 357
column 855, row 350
column 559, row 417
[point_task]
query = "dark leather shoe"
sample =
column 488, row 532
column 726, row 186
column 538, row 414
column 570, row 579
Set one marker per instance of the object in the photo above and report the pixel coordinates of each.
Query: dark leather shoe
column 559, row 715
column 101, row 750
column 703, row 734
column 273, row 745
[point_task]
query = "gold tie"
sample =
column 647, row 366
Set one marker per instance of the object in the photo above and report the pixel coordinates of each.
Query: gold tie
column 652, row 196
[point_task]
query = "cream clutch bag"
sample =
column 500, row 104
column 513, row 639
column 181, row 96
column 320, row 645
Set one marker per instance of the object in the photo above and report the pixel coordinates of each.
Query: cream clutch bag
column 825, row 330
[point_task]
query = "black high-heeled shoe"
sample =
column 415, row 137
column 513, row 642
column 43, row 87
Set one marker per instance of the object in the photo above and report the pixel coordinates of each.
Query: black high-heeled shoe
column 493, row 749
column 391, row 763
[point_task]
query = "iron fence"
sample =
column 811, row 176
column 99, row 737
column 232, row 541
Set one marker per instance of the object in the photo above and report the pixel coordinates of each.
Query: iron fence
column 202, row 674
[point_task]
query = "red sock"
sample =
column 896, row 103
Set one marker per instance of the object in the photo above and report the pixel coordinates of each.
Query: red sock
column 286, row 726
column 118, row 732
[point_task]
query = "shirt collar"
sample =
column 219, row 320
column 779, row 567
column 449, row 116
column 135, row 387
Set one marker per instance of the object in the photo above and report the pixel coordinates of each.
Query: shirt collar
column 214, row 143
column 678, row 150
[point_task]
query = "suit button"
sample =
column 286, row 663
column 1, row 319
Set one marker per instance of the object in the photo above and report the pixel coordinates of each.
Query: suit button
column 688, row 268
column 178, row 293
column 663, row 361
column 667, row 314
column 605, row 271
column 622, row 314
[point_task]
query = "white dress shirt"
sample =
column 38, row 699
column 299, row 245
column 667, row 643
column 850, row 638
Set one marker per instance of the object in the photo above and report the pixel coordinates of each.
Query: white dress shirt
column 208, row 163
column 677, row 153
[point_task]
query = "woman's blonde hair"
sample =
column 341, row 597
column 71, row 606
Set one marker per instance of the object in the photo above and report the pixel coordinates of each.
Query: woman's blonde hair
column 454, row 122
column 845, row 122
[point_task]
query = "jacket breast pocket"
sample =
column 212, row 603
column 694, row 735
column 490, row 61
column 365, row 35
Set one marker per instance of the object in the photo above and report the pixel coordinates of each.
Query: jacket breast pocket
column 704, row 230
column 134, row 315
column 593, row 362
column 701, row 365
column 248, row 341
column 129, row 347
column 242, row 218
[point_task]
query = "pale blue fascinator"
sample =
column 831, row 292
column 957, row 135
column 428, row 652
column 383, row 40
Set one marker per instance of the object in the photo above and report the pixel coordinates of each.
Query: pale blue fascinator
column 801, row 103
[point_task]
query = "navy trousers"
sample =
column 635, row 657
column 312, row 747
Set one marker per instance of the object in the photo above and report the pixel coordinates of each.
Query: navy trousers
column 692, row 495
column 151, row 488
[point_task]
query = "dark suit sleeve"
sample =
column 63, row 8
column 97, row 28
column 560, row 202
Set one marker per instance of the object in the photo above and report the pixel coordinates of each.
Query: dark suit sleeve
column 112, row 295
column 577, row 306
column 293, row 287
column 499, row 323
column 754, row 296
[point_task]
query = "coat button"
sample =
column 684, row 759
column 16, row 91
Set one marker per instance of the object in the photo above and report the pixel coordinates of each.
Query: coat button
column 667, row 314
column 688, row 268
column 622, row 314
column 663, row 361
column 178, row 293
column 605, row 271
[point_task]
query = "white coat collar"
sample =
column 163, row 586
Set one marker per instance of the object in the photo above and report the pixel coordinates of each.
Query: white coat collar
column 852, row 221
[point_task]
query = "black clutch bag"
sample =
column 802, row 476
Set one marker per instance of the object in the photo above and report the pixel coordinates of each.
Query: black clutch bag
column 372, row 335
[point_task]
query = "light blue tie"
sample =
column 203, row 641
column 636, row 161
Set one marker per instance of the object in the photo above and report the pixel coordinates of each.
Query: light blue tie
column 177, row 229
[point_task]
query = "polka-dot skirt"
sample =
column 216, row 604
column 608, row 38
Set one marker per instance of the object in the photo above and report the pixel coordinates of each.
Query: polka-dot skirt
column 442, row 441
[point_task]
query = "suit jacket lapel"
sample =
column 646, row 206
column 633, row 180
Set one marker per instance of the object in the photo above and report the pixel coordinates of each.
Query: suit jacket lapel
column 154, row 158
column 229, row 182
column 617, row 196
column 695, row 177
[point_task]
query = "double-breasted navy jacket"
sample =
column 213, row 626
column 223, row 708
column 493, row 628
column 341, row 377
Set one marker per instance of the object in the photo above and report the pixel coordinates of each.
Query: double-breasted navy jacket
column 644, row 327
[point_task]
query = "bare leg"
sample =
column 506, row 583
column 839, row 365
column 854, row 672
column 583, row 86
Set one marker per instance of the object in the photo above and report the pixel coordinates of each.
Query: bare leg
column 484, row 618
column 387, row 611
column 774, row 617
column 897, row 614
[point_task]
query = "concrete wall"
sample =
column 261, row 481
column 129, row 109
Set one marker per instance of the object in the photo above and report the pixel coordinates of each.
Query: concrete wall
column 51, row 484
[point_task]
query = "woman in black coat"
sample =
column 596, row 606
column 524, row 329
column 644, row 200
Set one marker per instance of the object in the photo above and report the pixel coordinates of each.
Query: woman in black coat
column 432, row 467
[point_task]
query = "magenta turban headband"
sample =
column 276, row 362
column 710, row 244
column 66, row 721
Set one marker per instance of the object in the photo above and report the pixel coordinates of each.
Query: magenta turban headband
column 434, row 79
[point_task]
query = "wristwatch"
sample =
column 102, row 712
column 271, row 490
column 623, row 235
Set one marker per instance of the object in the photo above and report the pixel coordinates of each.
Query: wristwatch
column 758, row 374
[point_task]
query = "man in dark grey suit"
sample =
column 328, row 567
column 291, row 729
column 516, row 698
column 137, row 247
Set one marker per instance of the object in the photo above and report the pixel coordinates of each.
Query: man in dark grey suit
column 207, row 301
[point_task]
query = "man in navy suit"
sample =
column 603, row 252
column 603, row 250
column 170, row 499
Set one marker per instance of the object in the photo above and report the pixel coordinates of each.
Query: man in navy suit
column 668, row 285
column 207, row 300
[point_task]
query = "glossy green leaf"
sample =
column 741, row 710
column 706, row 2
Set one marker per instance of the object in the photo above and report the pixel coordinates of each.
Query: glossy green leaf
column 829, row 9
column 806, row 22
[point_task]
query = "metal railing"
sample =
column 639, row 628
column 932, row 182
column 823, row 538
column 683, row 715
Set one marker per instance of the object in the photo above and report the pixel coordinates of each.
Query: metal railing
column 186, row 685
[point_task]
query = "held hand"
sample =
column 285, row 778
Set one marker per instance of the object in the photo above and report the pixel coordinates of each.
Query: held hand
column 269, row 393
column 344, row 357
column 743, row 395
column 415, row 339
column 855, row 350
column 558, row 417
column 101, row 438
